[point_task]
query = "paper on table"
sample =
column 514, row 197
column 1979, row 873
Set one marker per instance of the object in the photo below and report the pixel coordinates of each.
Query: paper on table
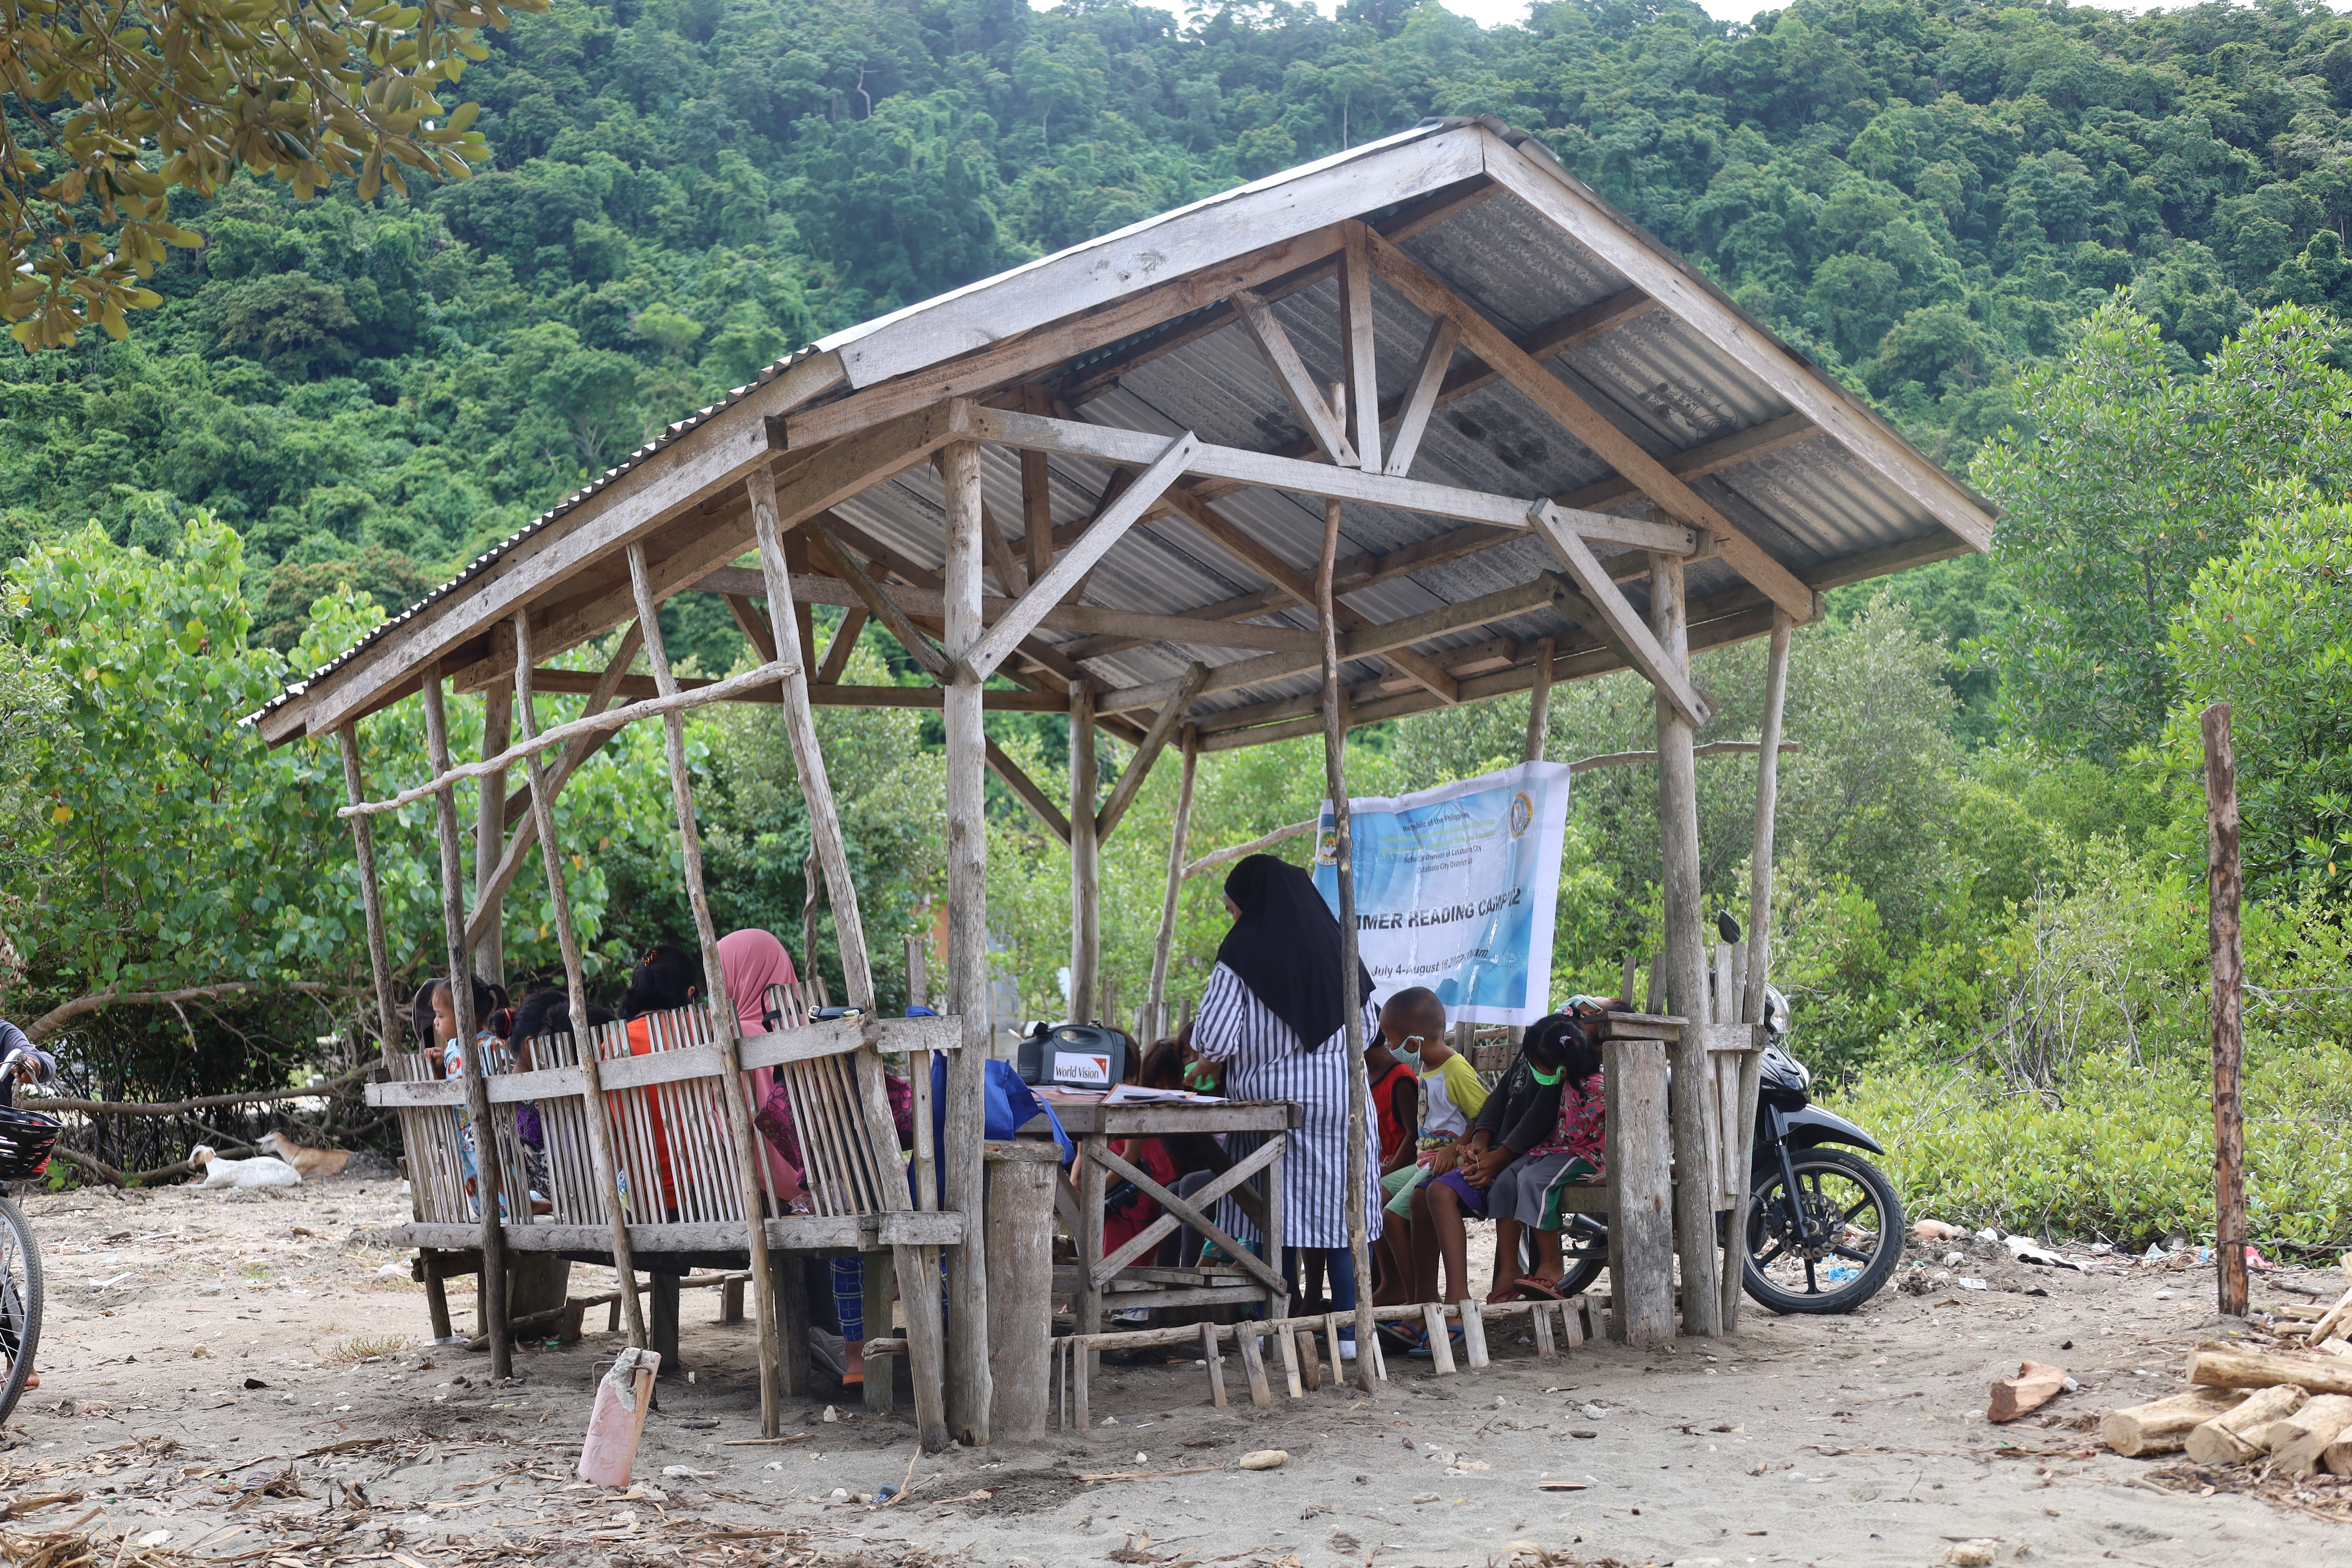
column 1136, row 1094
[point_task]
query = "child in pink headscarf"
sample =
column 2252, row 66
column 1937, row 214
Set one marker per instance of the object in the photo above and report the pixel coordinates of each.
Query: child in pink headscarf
column 751, row 960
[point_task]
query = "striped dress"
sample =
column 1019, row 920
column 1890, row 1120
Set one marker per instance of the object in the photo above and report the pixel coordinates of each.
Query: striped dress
column 1262, row 1060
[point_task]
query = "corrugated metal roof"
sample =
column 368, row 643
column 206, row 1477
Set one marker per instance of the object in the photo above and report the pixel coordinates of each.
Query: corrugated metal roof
column 1660, row 380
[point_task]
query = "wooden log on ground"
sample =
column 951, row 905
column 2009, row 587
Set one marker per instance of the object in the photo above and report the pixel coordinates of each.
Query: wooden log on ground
column 2221, row 1366
column 2236, row 1436
column 2162, row 1426
column 1311, row 1365
column 2035, row 1386
column 2299, row 1444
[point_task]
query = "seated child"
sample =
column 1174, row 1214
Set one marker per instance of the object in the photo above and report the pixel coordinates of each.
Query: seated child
column 1447, row 1095
column 1574, row 1154
column 1518, row 1116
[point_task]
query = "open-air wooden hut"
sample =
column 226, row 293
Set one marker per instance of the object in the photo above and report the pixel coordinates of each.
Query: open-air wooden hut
column 1418, row 424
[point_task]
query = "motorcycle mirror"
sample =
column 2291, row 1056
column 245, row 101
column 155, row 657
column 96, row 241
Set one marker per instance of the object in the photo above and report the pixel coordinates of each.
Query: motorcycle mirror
column 1727, row 925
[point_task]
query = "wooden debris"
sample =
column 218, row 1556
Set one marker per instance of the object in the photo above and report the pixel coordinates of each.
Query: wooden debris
column 2298, row 1445
column 2035, row 1386
column 2222, row 1366
column 2338, row 1457
column 2161, row 1426
column 2235, row 1436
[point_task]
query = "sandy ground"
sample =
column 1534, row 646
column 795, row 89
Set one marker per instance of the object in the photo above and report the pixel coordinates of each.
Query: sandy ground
column 225, row 1375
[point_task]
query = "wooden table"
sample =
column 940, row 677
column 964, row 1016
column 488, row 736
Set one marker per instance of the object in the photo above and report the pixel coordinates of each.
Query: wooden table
column 1244, row 1277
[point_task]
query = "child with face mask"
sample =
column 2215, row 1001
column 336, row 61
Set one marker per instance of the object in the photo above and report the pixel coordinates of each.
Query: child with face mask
column 1412, row 1027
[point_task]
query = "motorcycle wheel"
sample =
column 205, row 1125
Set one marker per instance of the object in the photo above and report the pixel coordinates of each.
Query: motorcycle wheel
column 1583, row 1254
column 1858, row 1241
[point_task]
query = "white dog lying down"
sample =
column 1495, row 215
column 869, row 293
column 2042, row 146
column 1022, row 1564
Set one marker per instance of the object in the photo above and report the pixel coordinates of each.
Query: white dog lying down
column 263, row 1172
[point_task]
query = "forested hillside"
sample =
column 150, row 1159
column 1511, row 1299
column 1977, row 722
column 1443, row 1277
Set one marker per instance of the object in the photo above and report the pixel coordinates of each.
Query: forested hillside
column 1921, row 194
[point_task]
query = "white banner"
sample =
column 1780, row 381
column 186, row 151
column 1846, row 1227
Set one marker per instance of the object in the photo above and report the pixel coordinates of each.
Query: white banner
column 1455, row 889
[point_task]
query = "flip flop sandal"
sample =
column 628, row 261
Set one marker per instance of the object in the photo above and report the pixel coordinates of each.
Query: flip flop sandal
column 1421, row 1346
column 1403, row 1341
column 1536, row 1289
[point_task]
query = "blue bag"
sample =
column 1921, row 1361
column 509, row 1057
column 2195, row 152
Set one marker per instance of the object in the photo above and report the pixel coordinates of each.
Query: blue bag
column 1011, row 1105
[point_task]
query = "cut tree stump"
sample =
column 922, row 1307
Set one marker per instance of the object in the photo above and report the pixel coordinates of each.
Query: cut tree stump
column 2299, row 1444
column 2035, row 1386
column 2219, row 1366
column 2161, row 1426
column 2338, row 1457
column 2234, row 1437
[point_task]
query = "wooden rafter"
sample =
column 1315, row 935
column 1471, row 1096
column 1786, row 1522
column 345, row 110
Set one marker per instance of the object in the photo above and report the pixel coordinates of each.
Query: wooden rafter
column 844, row 644
column 1308, row 403
column 1421, row 399
column 1631, row 633
column 1360, row 370
column 1101, row 373
column 1590, row 426
column 1365, row 642
column 1155, row 739
column 1041, row 805
column 1571, row 330
column 926, row 602
column 1062, row 578
column 880, row 604
column 1138, row 449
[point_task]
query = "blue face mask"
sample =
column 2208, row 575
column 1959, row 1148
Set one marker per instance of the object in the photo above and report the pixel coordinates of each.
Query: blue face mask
column 1409, row 1052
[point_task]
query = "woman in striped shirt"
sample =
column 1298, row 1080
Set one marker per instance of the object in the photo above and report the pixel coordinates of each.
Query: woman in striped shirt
column 1274, row 1019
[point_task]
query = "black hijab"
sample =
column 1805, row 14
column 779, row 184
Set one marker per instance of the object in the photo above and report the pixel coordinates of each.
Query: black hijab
column 1285, row 948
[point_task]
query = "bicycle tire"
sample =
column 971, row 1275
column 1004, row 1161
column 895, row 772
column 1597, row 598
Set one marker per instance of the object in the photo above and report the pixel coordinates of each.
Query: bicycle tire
column 20, row 1303
column 1877, row 1265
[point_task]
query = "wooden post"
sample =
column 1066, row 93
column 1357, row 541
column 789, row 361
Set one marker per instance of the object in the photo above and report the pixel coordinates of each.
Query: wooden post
column 1539, row 700
column 486, row 1185
column 1685, row 955
column 1758, row 965
column 959, row 1161
column 387, row 1011
column 1767, row 796
column 1086, row 861
column 2224, row 885
column 1640, row 1227
column 1335, row 776
column 559, row 900
column 490, row 834
column 1165, row 942
column 732, row 1087
column 918, row 972
column 808, row 756
column 1020, row 1209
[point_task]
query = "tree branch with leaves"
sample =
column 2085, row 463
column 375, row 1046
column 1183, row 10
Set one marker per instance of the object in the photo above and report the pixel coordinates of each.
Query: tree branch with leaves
column 112, row 105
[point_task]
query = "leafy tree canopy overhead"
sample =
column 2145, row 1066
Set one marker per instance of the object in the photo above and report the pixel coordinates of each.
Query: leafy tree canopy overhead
column 112, row 107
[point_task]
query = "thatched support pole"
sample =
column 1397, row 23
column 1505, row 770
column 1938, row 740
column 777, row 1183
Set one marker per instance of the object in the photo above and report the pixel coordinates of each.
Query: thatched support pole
column 1685, row 955
column 732, row 1095
column 1085, row 862
column 592, row 1073
column 486, row 1184
column 1360, row 1093
column 1164, row 944
column 960, row 1175
column 490, row 838
column 387, row 1011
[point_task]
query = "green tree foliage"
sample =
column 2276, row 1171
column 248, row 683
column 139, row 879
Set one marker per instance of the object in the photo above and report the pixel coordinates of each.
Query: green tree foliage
column 2136, row 474
column 2269, row 631
column 111, row 110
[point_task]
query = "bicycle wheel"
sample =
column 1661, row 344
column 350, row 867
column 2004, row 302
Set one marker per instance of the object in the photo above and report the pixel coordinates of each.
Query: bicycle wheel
column 20, row 1303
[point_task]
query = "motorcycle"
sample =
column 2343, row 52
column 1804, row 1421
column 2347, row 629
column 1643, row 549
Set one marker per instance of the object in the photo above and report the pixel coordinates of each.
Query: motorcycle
column 1823, row 1226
